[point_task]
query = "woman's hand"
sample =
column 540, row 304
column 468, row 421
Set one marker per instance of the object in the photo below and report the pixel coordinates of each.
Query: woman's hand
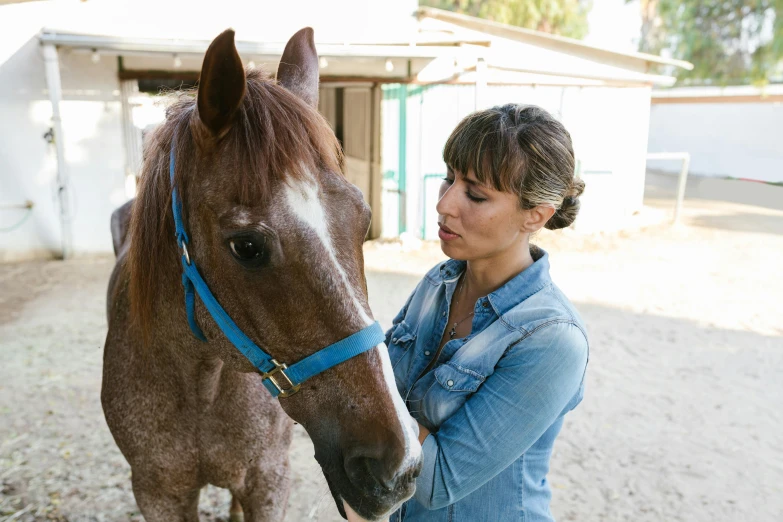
column 353, row 517
column 423, row 432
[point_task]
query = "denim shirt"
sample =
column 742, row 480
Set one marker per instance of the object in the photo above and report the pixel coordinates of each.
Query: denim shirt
column 495, row 400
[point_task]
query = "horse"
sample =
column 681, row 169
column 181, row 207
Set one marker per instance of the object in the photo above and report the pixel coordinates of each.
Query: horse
column 242, row 189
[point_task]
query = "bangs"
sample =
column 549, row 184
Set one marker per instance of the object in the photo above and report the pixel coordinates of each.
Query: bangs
column 482, row 143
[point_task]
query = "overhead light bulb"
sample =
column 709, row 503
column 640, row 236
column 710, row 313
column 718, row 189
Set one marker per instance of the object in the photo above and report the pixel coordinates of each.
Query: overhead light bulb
column 177, row 61
column 96, row 57
column 323, row 63
column 389, row 65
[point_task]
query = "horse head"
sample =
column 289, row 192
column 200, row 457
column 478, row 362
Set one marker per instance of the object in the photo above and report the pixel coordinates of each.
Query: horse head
column 277, row 232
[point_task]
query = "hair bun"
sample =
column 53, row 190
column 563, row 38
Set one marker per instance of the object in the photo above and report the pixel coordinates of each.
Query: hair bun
column 566, row 214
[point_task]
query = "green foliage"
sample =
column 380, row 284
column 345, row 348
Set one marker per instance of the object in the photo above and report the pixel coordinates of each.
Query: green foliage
column 728, row 41
column 562, row 17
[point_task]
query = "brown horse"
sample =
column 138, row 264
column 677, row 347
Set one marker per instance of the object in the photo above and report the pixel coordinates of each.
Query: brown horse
column 277, row 234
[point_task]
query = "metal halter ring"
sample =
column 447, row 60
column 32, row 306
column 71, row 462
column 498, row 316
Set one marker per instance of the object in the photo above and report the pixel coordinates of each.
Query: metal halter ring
column 185, row 252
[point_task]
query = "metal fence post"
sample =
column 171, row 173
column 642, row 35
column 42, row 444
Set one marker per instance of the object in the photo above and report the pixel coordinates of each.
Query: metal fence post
column 685, row 157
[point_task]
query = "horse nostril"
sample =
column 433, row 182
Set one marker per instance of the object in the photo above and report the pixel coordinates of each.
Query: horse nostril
column 362, row 469
column 379, row 463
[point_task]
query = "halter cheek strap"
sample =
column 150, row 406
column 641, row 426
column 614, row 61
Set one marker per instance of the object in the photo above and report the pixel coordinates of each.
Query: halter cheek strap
column 182, row 242
column 280, row 379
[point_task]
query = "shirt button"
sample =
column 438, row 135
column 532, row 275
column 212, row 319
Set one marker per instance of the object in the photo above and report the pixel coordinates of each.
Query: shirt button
column 427, row 352
column 485, row 304
column 394, row 340
column 449, row 383
column 444, row 314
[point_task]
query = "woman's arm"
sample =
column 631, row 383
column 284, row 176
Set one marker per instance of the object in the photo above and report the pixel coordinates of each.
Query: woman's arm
column 529, row 389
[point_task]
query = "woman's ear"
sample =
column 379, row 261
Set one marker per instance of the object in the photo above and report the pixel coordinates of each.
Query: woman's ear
column 535, row 218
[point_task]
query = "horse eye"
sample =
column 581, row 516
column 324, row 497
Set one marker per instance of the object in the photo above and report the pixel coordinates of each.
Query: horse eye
column 250, row 248
column 245, row 249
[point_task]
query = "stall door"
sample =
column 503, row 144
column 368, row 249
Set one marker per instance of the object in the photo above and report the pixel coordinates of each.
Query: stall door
column 354, row 113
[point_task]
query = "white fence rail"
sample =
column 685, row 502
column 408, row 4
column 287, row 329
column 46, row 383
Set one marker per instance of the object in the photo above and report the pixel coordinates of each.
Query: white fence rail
column 685, row 157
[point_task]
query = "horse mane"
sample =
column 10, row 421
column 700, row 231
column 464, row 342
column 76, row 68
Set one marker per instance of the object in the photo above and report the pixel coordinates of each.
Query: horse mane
column 274, row 136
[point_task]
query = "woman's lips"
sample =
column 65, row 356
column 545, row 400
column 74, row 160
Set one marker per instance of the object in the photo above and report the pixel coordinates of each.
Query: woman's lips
column 446, row 234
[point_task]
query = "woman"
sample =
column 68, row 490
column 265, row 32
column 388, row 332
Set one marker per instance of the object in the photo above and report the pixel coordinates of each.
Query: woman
column 488, row 354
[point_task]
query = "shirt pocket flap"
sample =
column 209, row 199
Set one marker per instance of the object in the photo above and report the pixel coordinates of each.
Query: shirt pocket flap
column 458, row 379
column 403, row 335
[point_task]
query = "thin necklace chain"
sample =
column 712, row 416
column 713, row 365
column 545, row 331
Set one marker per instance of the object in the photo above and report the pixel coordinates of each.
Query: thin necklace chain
column 453, row 330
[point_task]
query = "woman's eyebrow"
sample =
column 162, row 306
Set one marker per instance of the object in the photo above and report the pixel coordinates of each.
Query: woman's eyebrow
column 473, row 182
column 469, row 181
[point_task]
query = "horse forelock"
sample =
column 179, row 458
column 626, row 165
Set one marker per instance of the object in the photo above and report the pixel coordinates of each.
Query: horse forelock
column 274, row 137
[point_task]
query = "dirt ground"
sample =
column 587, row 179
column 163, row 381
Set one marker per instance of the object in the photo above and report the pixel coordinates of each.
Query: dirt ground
column 681, row 420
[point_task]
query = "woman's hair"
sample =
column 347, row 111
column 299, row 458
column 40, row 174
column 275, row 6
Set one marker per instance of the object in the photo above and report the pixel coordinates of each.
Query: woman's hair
column 523, row 150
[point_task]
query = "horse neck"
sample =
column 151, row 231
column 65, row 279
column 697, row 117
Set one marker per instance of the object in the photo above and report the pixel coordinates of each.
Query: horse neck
column 177, row 355
column 171, row 346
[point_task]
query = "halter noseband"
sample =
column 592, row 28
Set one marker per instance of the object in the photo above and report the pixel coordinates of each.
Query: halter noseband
column 280, row 379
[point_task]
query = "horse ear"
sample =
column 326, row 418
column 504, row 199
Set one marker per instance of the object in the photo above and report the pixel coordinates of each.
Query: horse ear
column 221, row 84
column 298, row 69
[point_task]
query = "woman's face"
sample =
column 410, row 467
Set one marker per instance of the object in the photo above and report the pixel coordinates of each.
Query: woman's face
column 477, row 221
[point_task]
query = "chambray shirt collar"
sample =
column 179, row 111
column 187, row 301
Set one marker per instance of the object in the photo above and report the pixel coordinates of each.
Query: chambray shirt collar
column 451, row 270
column 523, row 285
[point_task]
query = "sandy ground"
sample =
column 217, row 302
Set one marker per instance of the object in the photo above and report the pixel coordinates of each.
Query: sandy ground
column 681, row 420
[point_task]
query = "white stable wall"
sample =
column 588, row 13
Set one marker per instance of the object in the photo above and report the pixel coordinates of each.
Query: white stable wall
column 91, row 118
column 738, row 140
column 608, row 127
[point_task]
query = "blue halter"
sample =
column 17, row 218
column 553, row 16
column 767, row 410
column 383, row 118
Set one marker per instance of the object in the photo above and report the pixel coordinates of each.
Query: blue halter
column 279, row 379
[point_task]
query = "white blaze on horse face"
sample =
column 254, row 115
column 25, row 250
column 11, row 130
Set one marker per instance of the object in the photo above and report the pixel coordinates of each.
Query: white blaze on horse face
column 302, row 198
column 409, row 425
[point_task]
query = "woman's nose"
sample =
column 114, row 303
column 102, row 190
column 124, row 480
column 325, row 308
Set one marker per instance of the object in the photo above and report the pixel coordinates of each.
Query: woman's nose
column 447, row 202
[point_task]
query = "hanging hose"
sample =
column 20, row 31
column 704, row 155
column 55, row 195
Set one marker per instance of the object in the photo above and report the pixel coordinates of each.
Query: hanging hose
column 27, row 206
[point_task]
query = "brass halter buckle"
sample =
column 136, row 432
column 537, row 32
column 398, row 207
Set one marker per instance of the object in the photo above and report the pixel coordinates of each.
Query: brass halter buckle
column 279, row 368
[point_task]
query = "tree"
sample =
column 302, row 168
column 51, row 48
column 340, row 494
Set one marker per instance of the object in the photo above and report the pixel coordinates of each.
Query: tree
column 563, row 17
column 728, row 41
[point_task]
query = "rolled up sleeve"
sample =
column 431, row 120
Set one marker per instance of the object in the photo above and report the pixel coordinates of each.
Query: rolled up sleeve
column 531, row 386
